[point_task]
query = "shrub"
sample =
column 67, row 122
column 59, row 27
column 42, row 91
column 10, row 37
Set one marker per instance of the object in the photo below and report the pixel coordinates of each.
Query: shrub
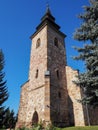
column 50, row 127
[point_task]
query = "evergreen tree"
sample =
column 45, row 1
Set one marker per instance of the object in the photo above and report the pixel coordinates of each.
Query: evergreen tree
column 3, row 89
column 88, row 33
column 9, row 119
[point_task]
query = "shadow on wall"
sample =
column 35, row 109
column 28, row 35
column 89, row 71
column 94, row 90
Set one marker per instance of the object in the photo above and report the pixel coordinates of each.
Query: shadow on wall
column 71, row 112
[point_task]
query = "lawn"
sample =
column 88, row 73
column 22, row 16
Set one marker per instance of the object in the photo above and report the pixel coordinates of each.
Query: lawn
column 67, row 128
column 79, row 128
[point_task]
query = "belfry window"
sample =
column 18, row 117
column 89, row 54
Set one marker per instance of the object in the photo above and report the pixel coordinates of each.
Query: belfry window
column 56, row 42
column 36, row 76
column 38, row 43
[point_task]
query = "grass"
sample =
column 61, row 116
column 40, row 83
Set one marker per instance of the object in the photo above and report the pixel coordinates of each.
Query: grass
column 70, row 128
column 79, row 128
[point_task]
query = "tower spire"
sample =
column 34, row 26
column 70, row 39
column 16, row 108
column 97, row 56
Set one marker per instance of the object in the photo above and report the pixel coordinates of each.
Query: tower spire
column 48, row 8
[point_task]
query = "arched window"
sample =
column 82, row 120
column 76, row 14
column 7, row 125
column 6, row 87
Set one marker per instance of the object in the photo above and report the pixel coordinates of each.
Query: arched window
column 38, row 43
column 56, row 42
column 36, row 76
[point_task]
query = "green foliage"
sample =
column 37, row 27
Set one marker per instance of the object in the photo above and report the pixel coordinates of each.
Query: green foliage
column 39, row 126
column 88, row 32
column 81, row 128
column 50, row 127
column 67, row 128
column 9, row 119
column 3, row 89
column 23, row 128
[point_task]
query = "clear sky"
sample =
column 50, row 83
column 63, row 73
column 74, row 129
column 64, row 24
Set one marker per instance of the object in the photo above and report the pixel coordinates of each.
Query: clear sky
column 18, row 20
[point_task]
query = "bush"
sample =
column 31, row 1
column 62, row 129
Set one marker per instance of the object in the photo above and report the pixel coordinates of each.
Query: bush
column 39, row 126
column 23, row 128
column 50, row 127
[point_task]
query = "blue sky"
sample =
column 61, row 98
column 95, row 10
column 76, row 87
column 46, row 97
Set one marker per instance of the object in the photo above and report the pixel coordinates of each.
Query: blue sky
column 18, row 20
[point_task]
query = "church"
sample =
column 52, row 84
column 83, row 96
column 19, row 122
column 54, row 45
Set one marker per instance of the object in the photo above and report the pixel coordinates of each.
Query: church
column 50, row 95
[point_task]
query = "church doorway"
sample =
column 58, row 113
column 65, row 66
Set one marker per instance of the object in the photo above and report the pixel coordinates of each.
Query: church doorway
column 35, row 118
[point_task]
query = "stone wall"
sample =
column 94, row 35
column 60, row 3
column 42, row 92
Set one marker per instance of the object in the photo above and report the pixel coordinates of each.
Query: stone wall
column 38, row 59
column 50, row 93
column 22, row 113
column 33, row 95
column 80, row 115
column 76, row 112
column 36, row 104
column 36, row 90
column 58, row 88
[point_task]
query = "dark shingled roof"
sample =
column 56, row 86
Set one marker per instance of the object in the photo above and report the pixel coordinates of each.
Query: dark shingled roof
column 48, row 19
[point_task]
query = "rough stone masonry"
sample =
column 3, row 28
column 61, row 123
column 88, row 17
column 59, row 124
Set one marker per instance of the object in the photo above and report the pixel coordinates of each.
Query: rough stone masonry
column 50, row 95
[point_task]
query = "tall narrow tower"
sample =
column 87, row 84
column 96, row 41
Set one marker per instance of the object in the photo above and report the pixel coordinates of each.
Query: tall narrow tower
column 44, row 96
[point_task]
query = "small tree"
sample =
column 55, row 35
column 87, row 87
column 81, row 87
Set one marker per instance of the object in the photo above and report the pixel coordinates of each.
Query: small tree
column 3, row 89
column 88, row 32
column 9, row 119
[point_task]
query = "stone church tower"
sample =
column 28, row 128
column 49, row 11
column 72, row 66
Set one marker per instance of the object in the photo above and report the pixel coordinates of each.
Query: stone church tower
column 49, row 94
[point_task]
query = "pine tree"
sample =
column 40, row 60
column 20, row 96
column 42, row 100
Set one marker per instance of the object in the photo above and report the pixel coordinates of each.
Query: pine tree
column 88, row 33
column 9, row 119
column 3, row 89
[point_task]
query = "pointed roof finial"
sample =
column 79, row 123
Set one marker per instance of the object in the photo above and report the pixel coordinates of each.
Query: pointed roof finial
column 47, row 8
column 47, row 4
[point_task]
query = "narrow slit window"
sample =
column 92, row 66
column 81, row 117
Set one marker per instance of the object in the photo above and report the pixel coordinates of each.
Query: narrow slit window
column 36, row 76
column 38, row 43
column 57, row 73
column 59, row 94
column 56, row 42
